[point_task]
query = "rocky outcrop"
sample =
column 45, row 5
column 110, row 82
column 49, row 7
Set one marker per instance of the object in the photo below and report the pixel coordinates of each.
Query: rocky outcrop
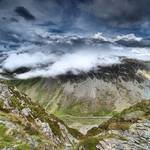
column 28, row 124
column 136, row 137
column 127, row 130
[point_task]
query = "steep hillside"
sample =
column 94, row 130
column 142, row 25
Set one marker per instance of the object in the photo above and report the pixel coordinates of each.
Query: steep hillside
column 25, row 124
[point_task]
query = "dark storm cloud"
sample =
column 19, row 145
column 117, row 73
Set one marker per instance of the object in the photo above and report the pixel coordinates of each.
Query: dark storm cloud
column 46, row 10
column 39, row 34
column 119, row 11
column 82, row 14
column 24, row 13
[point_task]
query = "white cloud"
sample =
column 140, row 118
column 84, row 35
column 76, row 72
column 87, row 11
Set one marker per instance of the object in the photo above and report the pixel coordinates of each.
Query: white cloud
column 85, row 60
column 100, row 36
column 76, row 59
column 128, row 37
column 81, row 61
column 15, row 61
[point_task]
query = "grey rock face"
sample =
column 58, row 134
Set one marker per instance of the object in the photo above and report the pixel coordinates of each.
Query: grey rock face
column 25, row 112
column 137, row 138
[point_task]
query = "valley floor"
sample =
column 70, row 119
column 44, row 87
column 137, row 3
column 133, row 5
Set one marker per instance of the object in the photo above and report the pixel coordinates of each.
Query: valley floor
column 83, row 124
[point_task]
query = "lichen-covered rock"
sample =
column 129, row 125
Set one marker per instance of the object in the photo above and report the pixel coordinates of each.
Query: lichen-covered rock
column 25, row 112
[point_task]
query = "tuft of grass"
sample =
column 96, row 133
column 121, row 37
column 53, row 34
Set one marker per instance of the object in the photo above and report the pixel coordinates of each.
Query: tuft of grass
column 75, row 133
column 88, row 143
column 5, row 140
column 23, row 147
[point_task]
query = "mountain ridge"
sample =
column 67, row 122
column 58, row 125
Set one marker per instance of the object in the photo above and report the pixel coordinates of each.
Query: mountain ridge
column 26, row 125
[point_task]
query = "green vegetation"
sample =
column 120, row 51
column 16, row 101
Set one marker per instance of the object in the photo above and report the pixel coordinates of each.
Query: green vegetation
column 23, row 147
column 79, row 108
column 119, row 122
column 75, row 133
column 52, row 98
column 5, row 140
column 89, row 143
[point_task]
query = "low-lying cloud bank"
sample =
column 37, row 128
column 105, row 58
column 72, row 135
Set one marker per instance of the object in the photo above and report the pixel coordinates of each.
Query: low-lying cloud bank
column 15, row 61
column 96, row 50
column 77, row 62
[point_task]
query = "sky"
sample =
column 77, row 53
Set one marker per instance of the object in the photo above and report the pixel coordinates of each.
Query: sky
column 77, row 15
column 49, row 36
